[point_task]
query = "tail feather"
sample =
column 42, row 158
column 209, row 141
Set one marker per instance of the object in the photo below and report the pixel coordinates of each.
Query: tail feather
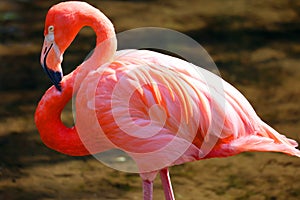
column 269, row 140
column 277, row 137
column 293, row 142
column 258, row 143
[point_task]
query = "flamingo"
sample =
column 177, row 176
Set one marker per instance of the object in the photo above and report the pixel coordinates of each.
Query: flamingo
column 155, row 107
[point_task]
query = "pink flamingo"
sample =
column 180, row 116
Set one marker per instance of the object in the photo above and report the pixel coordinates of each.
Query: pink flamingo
column 163, row 89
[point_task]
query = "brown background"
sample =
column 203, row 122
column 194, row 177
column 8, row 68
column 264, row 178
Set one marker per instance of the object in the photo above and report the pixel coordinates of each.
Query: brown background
column 255, row 45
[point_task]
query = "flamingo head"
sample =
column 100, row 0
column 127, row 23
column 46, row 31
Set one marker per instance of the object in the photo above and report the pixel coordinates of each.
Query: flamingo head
column 61, row 27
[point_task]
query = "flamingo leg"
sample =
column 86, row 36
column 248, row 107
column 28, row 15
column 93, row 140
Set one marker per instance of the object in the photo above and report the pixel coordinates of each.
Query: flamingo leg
column 147, row 189
column 166, row 183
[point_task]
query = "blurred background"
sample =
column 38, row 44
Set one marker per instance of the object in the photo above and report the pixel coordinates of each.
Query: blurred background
column 256, row 46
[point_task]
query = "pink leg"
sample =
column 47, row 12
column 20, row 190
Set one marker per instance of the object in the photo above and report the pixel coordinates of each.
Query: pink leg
column 166, row 183
column 147, row 189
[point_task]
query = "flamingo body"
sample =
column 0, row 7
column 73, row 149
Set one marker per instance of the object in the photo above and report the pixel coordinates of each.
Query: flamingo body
column 157, row 108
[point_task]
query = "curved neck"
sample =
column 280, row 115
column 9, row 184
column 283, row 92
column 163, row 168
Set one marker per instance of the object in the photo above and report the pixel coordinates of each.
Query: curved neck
column 106, row 42
column 48, row 113
column 48, row 121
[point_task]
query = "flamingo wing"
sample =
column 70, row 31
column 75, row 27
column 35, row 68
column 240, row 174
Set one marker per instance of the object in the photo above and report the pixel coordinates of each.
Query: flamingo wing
column 147, row 102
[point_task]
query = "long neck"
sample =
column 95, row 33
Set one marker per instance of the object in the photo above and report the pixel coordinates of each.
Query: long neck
column 106, row 42
column 48, row 122
column 48, row 113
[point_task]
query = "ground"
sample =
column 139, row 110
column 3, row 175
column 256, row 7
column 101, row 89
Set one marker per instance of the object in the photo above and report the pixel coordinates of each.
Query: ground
column 256, row 47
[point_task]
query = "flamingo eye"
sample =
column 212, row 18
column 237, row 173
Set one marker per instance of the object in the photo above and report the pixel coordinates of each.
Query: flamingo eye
column 51, row 29
column 50, row 36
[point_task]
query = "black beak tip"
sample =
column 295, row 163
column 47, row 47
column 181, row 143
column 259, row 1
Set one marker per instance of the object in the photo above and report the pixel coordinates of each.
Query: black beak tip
column 58, row 87
column 55, row 77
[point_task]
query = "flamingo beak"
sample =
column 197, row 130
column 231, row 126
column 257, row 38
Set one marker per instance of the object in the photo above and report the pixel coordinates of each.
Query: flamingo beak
column 51, row 59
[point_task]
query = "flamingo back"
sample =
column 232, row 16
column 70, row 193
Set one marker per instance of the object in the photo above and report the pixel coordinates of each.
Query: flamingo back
column 147, row 102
